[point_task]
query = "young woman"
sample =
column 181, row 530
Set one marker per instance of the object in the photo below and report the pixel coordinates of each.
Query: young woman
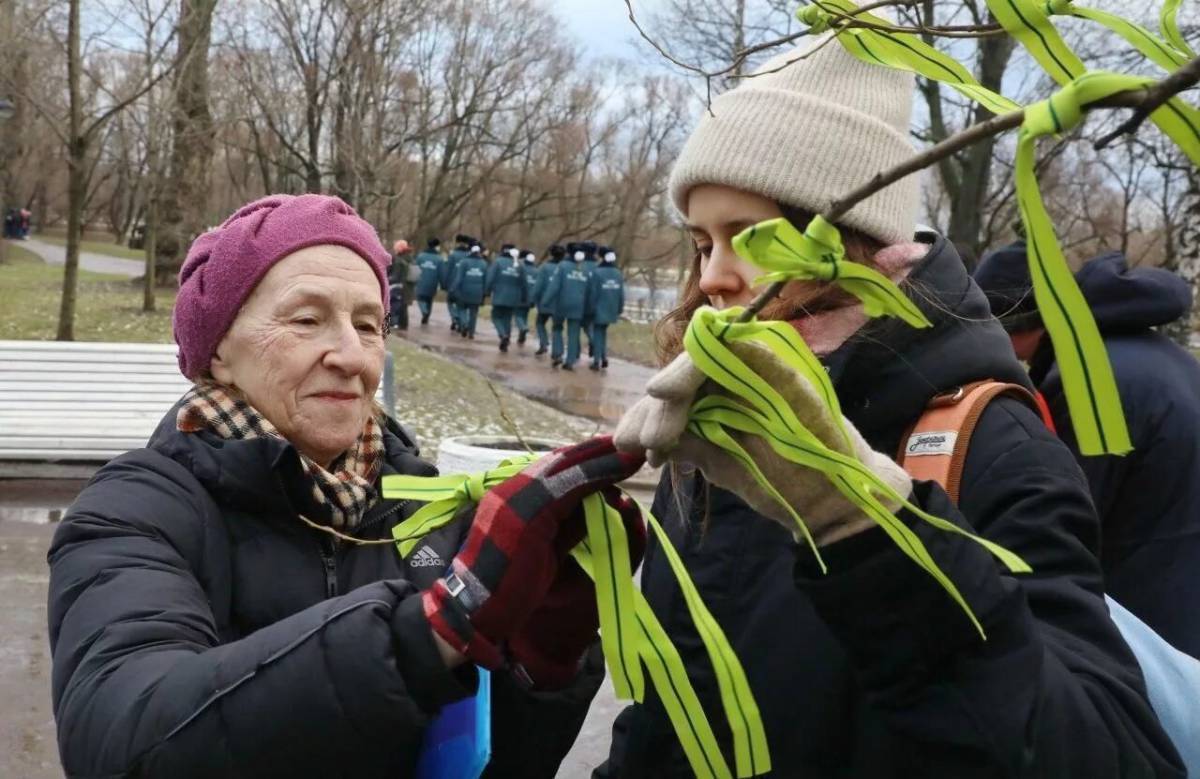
column 871, row 670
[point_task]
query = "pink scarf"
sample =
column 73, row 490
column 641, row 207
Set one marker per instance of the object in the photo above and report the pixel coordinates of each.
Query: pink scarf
column 826, row 331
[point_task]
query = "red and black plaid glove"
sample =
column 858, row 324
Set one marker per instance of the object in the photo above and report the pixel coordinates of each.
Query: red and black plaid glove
column 546, row 651
column 523, row 529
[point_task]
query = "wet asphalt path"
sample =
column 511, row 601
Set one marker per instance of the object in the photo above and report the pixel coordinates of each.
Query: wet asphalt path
column 602, row 396
column 27, row 742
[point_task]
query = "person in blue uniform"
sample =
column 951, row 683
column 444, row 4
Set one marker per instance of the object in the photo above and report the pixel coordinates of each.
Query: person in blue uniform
column 570, row 286
column 469, row 289
column 506, row 285
column 558, row 321
column 462, row 245
column 606, row 298
column 544, row 301
column 521, row 312
column 429, row 263
column 589, row 266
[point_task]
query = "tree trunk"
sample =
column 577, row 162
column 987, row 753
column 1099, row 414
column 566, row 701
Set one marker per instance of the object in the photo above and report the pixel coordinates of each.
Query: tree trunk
column 184, row 202
column 12, row 132
column 76, row 179
column 1187, row 258
column 975, row 164
column 312, row 123
column 150, row 246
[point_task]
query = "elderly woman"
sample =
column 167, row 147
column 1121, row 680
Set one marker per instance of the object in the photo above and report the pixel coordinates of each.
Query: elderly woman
column 213, row 608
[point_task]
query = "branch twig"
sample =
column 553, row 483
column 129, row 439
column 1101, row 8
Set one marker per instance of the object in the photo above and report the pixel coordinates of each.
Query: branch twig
column 1143, row 100
column 1154, row 96
column 845, row 21
column 512, row 426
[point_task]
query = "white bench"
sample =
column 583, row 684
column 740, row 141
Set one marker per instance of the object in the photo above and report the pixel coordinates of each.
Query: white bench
column 65, row 408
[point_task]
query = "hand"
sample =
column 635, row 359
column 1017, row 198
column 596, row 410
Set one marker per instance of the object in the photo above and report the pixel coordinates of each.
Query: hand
column 522, row 532
column 549, row 647
column 657, row 425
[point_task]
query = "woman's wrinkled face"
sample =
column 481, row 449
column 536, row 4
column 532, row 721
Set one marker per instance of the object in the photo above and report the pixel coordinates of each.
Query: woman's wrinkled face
column 307, row 349
column 715, row 215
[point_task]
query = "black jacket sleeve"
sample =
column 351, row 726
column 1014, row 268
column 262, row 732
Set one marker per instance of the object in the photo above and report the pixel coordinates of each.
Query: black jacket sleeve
column 1054, row 691
column 533, row 731
column 143, row 685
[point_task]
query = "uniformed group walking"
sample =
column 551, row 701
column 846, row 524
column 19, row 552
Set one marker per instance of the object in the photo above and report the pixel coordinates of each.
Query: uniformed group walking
column 576, row 291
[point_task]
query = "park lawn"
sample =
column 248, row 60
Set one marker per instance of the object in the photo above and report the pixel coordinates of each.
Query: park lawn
column 96, row 247
column 108, row 308
column 633, row 341
column 437, row 398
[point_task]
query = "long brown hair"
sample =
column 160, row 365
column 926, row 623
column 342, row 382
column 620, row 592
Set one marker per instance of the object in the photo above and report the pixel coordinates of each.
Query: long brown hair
column 668, row 332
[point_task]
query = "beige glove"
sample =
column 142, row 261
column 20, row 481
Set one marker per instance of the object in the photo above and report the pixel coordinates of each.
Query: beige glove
column 657, row 424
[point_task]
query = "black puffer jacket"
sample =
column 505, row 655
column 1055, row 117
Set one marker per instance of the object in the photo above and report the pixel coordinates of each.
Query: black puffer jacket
column 199, row 629
column 872, row 671
column 1148, row 500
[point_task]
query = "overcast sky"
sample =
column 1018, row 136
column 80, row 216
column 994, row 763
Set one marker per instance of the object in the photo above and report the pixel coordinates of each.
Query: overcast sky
column 602, row 24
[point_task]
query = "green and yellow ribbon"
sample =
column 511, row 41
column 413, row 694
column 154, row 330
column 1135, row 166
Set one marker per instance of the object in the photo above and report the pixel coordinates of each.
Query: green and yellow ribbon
column 1030, row 24
column 817, row 254
column 902, row 51
column 1158, row 51
column 1170, row 27
column 1088, row 382
column 443, row 497
column 756, row 408
column 1087, row 377
column 630, row 635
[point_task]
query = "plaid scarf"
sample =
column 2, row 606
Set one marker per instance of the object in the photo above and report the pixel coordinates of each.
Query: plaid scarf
column 345, row 490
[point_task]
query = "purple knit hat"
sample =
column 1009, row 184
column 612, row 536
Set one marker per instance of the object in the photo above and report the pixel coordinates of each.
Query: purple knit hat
column 225, row 265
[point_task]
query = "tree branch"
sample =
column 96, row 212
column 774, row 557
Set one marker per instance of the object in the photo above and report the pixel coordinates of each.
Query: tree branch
column 1143, row 100
column 1154, row 96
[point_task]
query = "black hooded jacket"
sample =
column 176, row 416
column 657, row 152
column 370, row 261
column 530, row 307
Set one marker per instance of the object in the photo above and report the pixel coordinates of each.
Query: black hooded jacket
column 1148, row 500
column 199, row 629
column 872, row 670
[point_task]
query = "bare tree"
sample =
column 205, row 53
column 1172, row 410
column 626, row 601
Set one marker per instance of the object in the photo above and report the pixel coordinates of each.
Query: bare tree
column 965, row 177
column 183, row 206
column 79, row 135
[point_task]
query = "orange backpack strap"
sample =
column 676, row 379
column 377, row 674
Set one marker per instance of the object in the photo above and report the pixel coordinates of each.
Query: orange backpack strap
column 936, row 447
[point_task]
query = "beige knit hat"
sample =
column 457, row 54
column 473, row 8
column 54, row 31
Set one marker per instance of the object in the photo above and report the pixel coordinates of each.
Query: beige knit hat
column 807, row 134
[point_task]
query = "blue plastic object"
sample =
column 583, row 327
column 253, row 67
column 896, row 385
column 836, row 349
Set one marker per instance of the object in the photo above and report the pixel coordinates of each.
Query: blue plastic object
column 1172, row 679
column 458, row 743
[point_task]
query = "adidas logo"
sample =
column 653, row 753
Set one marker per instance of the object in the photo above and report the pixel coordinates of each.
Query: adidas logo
column 425, row 558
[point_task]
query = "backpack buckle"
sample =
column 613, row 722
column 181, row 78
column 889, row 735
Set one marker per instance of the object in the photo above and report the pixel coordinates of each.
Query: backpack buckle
column 951, row 398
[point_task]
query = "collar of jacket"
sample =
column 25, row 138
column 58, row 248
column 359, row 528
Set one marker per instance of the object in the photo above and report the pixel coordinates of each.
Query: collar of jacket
column 887, row 373
column 1042, row 360
column 263, row 476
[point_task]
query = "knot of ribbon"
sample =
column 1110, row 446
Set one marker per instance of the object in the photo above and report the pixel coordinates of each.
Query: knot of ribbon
column 818, row 254
column 817, row 19
column 444, row 496
column 1058, row 7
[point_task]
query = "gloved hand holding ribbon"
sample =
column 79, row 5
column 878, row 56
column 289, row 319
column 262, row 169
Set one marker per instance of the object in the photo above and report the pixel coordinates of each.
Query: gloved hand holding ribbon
column 661, row 424
column 540, row 610
column 515, row 551
column 768, row 427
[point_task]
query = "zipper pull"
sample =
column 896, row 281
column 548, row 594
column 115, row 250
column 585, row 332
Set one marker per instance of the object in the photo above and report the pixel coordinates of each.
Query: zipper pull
column 331, row 583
